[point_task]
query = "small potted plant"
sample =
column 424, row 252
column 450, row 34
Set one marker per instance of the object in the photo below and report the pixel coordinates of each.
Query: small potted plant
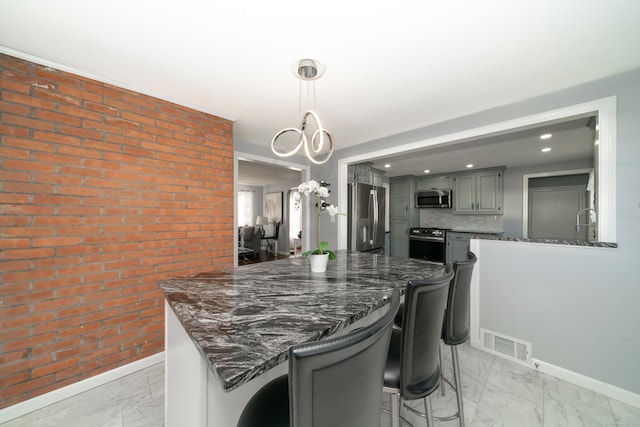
column 320, row 255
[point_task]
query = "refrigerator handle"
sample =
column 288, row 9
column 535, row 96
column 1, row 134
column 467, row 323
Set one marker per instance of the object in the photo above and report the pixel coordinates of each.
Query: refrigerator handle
column 371, row 220
column 375, row 217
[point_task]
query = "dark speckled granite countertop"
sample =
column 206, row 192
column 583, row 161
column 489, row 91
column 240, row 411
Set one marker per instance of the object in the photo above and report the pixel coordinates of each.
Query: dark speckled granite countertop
column 244, row 321
column 489, row 236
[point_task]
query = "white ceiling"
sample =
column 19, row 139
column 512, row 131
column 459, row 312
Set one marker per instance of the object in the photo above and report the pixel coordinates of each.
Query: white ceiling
column 390, row 67
column 571, row 139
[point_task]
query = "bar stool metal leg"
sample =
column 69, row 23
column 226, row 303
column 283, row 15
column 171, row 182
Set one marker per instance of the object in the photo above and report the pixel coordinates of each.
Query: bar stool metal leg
column 457, row 386
column 395, row 409
column 428, row 410
column 442, row 378
column 458, row 382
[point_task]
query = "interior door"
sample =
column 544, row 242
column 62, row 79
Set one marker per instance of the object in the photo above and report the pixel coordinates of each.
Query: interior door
column 295, row 224
column 552, row 212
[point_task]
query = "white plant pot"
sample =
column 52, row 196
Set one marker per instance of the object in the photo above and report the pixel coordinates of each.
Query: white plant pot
column 319, row 263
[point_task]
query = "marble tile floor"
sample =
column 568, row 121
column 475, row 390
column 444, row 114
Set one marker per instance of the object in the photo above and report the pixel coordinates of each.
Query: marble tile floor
column 497, row 392
column 134, row 400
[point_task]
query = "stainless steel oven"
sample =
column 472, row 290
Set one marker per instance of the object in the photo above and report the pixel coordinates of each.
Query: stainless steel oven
column 429, row 244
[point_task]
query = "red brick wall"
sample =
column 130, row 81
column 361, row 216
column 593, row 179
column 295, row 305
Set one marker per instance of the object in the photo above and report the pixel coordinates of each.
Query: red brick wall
column 103, row 192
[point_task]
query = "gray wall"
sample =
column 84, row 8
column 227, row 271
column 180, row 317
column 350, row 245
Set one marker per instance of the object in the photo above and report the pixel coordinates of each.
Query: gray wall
column 578, row 312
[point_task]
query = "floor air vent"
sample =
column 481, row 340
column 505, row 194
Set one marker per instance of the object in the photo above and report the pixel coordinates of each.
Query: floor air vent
column 507, row 347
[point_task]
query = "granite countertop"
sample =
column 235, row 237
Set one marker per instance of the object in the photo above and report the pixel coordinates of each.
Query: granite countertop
column 244, row 321
column 566, row 242
column 486, row 235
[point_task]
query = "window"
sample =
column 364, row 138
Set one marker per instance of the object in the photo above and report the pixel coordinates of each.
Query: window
column 245, row 207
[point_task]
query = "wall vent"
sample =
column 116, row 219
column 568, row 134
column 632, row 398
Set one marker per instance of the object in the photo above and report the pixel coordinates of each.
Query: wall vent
column 506, row 346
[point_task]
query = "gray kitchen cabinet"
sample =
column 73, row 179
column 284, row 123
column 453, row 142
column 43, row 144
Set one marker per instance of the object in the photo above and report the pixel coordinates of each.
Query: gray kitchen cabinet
column 402, row 214
column 364, row 173
column 435, row 183
column 458, row 245
column 377, row 178
column 478, row 193
column 359, row 173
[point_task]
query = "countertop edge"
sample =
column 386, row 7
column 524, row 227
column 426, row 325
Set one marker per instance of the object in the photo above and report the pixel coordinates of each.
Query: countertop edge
column 560, row 242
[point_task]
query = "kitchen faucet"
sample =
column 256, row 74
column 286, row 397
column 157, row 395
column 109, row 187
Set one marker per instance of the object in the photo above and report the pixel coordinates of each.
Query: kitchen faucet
column 588, row 224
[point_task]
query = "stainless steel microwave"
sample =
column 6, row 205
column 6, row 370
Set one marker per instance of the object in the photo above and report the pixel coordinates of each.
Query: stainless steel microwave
column 434, row 198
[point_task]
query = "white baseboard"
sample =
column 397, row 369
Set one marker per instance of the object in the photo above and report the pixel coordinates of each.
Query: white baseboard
column 23, row 408
column 589, row 383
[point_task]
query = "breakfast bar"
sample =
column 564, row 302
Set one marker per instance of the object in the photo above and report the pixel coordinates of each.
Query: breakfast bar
column 228, row 333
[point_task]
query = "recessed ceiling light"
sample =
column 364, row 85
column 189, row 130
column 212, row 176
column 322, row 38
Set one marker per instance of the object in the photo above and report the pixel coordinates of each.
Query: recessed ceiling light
column 427, row 171
column 387, row 165
column 545, row 136
column 546, row 150
column 469, row 165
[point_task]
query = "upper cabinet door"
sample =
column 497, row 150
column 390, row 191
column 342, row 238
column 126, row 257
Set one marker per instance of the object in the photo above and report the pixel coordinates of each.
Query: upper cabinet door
column 489, row 193
column 478, row 193
column 464, row 194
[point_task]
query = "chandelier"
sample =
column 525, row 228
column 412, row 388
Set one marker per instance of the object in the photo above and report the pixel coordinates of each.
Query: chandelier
column 316, row 140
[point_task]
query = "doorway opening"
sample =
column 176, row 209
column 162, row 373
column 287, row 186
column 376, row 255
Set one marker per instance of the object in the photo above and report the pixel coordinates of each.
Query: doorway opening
column 555, row 207
column 295, row 225
column 267, row 176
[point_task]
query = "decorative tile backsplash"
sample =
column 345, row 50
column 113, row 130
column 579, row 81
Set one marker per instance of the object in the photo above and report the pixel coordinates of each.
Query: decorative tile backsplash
column 444, row 218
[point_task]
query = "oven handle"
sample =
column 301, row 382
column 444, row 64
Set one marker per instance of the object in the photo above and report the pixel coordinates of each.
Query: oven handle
column 426, row 239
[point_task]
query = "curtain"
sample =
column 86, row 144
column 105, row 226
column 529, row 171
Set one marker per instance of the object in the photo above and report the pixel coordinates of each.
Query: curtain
column 245, row 207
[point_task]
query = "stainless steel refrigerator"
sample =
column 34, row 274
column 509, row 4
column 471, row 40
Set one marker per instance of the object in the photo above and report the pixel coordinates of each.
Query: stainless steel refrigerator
column 366, row 218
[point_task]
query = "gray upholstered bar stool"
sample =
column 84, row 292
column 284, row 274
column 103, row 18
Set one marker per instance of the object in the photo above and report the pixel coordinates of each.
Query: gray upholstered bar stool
column 413, row 364
column 331, row 383
column 455, row 329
